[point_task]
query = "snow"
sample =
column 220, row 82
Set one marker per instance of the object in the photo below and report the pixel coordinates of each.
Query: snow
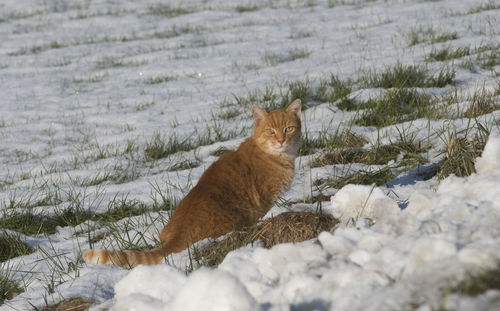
column 77, row 91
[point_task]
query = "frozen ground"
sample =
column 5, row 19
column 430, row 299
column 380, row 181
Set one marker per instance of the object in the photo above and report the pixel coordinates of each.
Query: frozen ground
column 86, row 85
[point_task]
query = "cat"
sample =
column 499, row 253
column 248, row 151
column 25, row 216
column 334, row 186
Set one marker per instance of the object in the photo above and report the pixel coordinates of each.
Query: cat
column 234, row 192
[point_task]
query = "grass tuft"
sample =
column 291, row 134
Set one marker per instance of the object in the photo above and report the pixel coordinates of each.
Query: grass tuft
column 420, row 35
column 220, row 151
column 377, row 177
column 398, row 105
column 448, row 54
column 406, row 76
column 74, row 304
column 11, row 246
column 184, row 164
column 8, row 287
column 159, row 79
column 483, row 102
column 333, row 89
column 488, row 56
column 398, row 76
column 296, row 89
column 246, row 8
column 461, row 153
column 291, row 227
column 159, row 148
column 168, row 11
column 377, row 155
column 106, row 62
column 487, row 6
column 478, row 284
column 329, row 141
column 27, row 222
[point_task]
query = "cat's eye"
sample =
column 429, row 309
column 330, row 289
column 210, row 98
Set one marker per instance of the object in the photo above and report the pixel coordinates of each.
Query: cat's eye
column 289, row 129
column 270, row 131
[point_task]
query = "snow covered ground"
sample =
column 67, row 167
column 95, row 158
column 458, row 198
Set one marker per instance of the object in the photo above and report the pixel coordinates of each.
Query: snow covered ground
column 87, row 85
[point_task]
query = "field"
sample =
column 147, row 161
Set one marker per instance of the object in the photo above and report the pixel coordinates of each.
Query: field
column 110, row 111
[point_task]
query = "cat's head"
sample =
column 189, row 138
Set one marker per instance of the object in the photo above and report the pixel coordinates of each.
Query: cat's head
column 278, row 132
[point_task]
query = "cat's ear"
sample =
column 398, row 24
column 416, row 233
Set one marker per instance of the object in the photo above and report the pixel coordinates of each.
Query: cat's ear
column 295, row 107
column 258, row 113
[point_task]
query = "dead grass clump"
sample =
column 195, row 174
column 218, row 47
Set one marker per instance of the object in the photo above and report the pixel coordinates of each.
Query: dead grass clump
column 75, row 304
column 291, row 227
column 461, row 153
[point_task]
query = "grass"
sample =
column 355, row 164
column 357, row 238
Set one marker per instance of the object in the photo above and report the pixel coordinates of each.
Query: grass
column 296, row 89
column 273, row 59
column 290, row 227
column 27, row 222
column 11, row 246
column 377, row 155
column 378, row 177
column 220, row 151
column 406, row 76
column 107, row 62
column 298, row 53
column 214, row 131
column 246, row 8
column 37, row 49
column 486, row 6
column 270, row 98
column 461, row 152
column 333, row 89
column 159, row 147
column 480, row 283
column 229, row 113
column 8, row 287
column 328, row 141
column 456, row 104
column 420, row 35
column 448, row 53
column 174, row 31
column 398, row 105
column 183, row 164
column 74, row 304
column 168, row 11
column 488, row 56
column 159, row 79
column 106, row 177
column 483, row 102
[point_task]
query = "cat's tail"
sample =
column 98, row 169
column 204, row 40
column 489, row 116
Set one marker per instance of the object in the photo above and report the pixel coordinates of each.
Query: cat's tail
column 124, row 258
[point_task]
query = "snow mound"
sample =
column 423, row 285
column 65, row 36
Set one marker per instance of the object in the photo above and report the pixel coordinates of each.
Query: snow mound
column 353, row 202
column 165, row 288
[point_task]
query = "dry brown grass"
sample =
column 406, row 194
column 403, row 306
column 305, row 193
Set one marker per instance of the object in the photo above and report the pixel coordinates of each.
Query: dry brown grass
column 291, row 227
column 74, row 304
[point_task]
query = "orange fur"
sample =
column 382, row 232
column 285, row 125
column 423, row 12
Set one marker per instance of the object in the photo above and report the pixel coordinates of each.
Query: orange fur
column 234, row 192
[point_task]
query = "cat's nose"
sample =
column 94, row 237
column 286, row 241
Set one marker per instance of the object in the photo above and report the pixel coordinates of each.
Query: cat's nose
column 281, row 140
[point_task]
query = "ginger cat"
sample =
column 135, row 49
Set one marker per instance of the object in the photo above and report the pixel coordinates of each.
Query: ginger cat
column 234, row 192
